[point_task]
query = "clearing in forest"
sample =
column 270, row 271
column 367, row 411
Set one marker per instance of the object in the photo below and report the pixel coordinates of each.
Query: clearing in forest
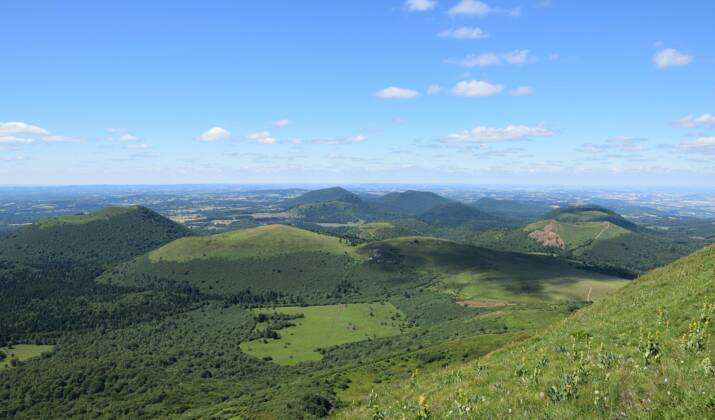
column 323, row 327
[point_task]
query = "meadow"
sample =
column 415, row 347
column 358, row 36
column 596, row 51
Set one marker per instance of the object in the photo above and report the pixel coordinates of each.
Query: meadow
column 21, row 353
column 323, row 327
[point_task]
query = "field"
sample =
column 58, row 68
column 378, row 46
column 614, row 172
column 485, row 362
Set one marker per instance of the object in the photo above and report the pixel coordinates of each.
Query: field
column 22, row 352
column 324, row 327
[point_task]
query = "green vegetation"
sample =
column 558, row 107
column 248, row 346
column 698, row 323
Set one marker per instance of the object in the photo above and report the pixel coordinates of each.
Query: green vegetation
column 598, row 238
column 98, row 238
column 645, row 352
column 512, row 209
column 472, row 273
column 10, row 356
column 457, row 215
column 410, row 202
column 261, row 242
column 323, row 327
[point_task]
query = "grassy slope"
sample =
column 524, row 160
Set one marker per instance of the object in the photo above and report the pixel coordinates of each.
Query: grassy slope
column 22, row 352
column 264, row 241
column 323, row 327
column 645, row 352
column 469, row 272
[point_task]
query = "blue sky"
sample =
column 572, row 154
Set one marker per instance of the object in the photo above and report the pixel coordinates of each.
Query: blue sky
column 419, row 91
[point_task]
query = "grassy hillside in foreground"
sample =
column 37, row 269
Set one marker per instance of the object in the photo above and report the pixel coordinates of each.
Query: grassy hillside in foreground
column 105, row 236
column 645, row 352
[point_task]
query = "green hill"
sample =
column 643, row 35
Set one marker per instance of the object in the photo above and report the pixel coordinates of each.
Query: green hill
column 512, row 209
column 644, row 352
column 275, row 259
column 457, row 215
column 410, row 203
column 102, row 237
column 589, row 213
column 323, row 196
column 593, row 235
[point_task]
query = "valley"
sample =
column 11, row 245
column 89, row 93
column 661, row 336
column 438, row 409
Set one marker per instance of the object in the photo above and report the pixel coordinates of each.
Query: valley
column 134, row 314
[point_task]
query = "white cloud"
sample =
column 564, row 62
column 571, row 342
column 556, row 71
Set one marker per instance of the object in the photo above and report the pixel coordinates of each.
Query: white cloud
column 15, row 139
column 476, row 88
column 262, row 137
column 394, row 92
column 492, row 59
column 465, row 32
column 359, row 138
column 138, row 146
column 498, row 134
column 470, row 8
column 420, row 5
column 127, row 137
column 61, row 139
column 670, row 57
column 20, row 128
column 522, row 91
column 434, row 89
column 479, row 8
column 214, row 134
column 690, row 121
column 281, row 123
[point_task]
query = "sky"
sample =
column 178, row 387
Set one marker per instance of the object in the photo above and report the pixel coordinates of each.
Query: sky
column 522, row 92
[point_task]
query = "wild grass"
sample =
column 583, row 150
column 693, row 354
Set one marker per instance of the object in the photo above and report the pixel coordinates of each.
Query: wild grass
column 322, row 327
column 645, row 352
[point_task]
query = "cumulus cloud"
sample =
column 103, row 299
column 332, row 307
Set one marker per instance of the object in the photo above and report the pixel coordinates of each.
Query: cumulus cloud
column 262, row 137
column 281, row 123
column 420, row 5
column 476, row 88
column 478, row 8
column 671, row 57
column 690, row 121
column 214, row 134
column 10, row 128
column 465, row 32
column 493, row 59
column 470, row 8
column 394, row 92
column 499, row 134
column 522, row 91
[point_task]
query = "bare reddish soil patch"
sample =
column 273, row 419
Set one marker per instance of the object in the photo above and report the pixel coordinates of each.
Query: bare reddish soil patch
column 548, row 235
